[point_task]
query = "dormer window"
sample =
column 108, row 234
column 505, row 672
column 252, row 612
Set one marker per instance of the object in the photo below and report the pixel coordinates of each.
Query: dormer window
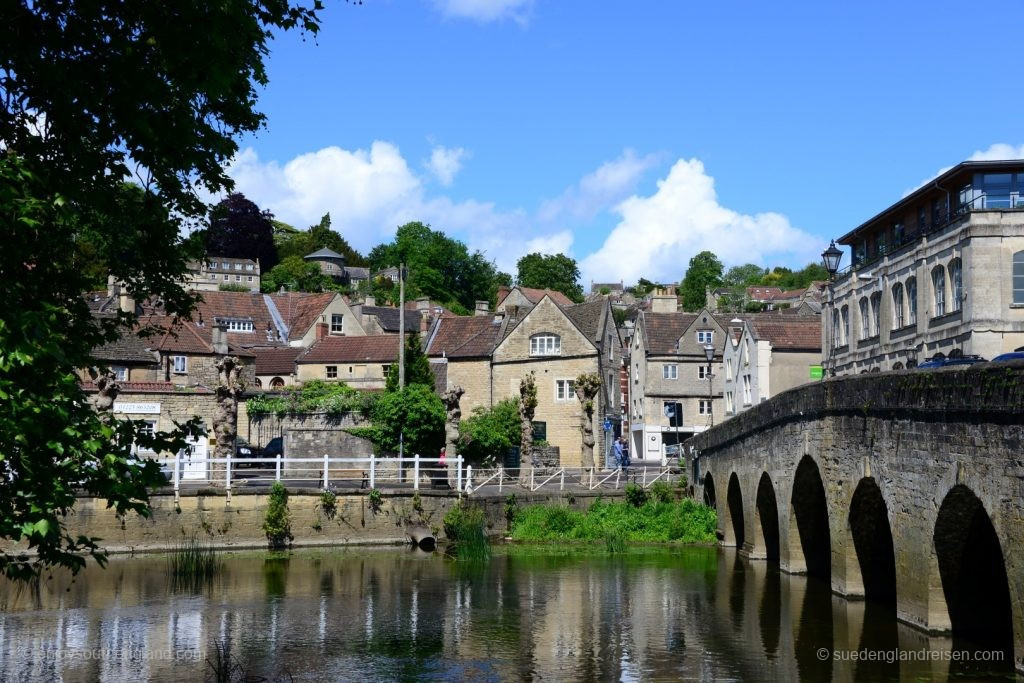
column 705, row 337
column 545, row 345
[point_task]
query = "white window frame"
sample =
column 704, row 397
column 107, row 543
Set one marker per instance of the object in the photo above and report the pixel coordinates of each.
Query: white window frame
column 875, row 301
column 865, row 320
column 226, row 277
column 956, row 285
column 704, row 406
column 670, row 371
column 897, row 306
column 120, row 372
column 249, row 278
column 545, row 345
column 747, row 396
column 147, row 427
column 179, row 365
column 705, row 337
column 565, row 390
column 844, row 314
column 702, row 372
column 911, row 294
column 337, row 323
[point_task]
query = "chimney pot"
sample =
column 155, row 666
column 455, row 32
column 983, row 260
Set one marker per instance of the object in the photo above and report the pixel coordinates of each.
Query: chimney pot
column 482, row 308
column 370, row 301
column 219, row 334
column 321, row 330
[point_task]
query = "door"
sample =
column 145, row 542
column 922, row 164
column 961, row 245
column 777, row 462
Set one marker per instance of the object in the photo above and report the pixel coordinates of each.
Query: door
column 193, row 458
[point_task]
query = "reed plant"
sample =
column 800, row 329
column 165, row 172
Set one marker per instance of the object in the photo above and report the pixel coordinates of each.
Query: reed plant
column 465, row 527
column 193, row 565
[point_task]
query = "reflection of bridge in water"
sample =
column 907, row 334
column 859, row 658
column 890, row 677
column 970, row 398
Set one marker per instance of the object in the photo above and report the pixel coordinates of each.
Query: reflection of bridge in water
column 905, row 489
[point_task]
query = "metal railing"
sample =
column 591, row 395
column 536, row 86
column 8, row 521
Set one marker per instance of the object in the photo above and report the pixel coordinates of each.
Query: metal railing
column 588, row 479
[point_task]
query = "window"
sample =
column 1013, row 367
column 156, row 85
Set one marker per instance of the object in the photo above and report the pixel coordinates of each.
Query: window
column 332, row 372
column 939, row 289
column 238, row 325
column 1018, row 277
column 876, row 313
column 836, row 340
column 912, row 301
column 277, row 383
column 179, row 365
column 249, row 278
column 147, row 428
column 747, row 400
column 545, row 345
column 249, row 266
column 897, row 306
column 385, row 369
column 540, row 431
column 120, row 373
column 702, row 372
column 704, row 406
column 729, row 406
column 238, row 278
column 238, row 266
column 674, row 412
column 226, row 276
column 705, row 337
column 259, row 383
column 564, row 390
column 845, row 315
column 865, row 320
column 330, row 266
column 728, row 371
column 669, row 371
column 337, row 323
column 956, row 285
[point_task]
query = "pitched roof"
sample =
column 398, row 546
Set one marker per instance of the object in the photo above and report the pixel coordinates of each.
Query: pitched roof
column 388, row 318
column 324, row 253
column 464, row 337
column 128, row 348
column 187, row 337
column 535, row 295
column 299, row 310
column 276, row 360
column 373, row 349
column 788, row 334
column 587, row 317
column 357, row 272
column 663, row 330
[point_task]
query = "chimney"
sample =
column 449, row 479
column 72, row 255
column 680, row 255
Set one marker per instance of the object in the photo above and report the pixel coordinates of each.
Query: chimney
column 219, row 335
column 663, row 303
column 424, row 322
column 370, row 300
column 502, row 293
column 423, row 304
column 112, row 288
column 125, row 301
column 513, row 313
column 482, row 308
column 321, row 330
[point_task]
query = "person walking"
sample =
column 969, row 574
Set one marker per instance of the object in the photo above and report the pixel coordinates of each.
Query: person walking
column 617, row 453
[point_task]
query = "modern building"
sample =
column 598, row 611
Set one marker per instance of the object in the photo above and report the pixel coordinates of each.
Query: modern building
column 938, row 273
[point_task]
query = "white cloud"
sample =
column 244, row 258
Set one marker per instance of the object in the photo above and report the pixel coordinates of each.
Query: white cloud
column 657, row 235
column 445, row 163
column 597, row 191
column 996, row 152
column 485, row 11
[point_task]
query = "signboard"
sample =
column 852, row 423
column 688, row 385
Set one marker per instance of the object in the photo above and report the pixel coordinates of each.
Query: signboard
column 817, row 372
column 137, row 408
column 607, row 425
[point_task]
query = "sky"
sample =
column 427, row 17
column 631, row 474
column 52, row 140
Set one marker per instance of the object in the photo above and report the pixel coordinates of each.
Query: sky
column 629, row 136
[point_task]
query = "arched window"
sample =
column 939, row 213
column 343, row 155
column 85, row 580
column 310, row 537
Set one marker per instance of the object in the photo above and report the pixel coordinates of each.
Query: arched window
column 259, row 384
column 1018, row 277
column 277, row 383
column 845, row 315
column 897, row 306
column 836, row 339
column 911, row 300
column 865, row 318
column 956, row 285
column 897, row 365
column 876, row 314
column 939, row 290
column 545, row 344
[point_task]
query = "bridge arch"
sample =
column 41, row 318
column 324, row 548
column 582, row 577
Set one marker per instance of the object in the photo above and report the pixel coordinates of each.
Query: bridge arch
column 710, row 499
column 765, row 541
column 733, row 527
column 972, row 572
column 871, row 558
column 809, row 541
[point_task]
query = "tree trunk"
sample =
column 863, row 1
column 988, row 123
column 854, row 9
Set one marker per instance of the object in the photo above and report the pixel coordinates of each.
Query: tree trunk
column 587, row 386
column 527, row 409
column 453, row 412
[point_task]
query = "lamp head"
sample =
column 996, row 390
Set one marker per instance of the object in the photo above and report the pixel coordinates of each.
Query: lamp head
column 831, row 258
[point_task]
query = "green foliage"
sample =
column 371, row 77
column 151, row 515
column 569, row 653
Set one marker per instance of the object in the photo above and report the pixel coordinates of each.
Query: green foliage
column 511, row 509
column 239, row 229
column 329, row 503
column 295, row 275
column 417, row 366
column 744, row 276
column 314, row 396
column 232, row 287
column 620, row 315
column 615, row 540
column 192, row 565
column 94, row 93
column 705, row 270
column 465, row 528
column 661, row 492
column 636, row 495
column 653, row 522
column 550, row 271
column 277, row 521
column 439, row 267
column 376, row 499
column 293, row 242
column 487, row 435
column 605, row 290
column 416, row 412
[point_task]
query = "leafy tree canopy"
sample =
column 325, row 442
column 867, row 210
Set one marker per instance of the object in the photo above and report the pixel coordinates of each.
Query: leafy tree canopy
column 296, row 275
column 487, row 435
column 94, row 93
column 417, row 367
column 705, row 270
column 438, row 267
column 416, row 413
column 744, row 276
column 238, row 229
column 550, row 271
column 291, row 241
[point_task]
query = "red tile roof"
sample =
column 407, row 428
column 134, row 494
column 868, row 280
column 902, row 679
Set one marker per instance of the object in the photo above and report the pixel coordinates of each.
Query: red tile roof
column 464, row 337
column 381, row 348
column 300, row 310
column 788, row 334
column 186, row 337
column 664, row 330
column 276, row 360
column 535, row 295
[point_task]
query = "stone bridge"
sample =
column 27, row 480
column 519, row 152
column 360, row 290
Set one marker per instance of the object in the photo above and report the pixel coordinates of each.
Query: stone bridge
column 905, row 489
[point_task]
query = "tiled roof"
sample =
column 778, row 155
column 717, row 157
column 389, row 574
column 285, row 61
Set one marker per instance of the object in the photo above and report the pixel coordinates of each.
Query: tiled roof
column 187, row 337
column 587, row 317
column 789, row 334
column 128, row 348
column 373, row 349
column 299, row 310
column 389, row 318
column 276, row 360
column 535, row 295
column 357, row 273
column 665, row 329
column 324, row 253
column 464, row 337
column 762, row 293
column 150, row 388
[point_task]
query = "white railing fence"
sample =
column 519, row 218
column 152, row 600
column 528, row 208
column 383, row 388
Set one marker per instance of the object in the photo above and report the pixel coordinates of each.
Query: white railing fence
column 575, row 478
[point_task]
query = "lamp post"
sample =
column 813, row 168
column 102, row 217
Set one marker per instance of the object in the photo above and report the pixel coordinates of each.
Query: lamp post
column 831, row 258
column 709, row 353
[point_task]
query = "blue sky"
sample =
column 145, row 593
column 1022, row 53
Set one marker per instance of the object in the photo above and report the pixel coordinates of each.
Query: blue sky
column 629, row 135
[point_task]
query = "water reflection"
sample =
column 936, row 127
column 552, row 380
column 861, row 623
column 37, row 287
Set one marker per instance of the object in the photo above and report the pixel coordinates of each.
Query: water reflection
column 527, row 614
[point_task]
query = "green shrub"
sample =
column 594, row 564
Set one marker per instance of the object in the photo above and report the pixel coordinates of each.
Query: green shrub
column 465, row 528
column 661, row 492
column 376, row 498
column 615, row 540
column 329, row 503
column 277, row 522
column 511, row 509
column 635, row 495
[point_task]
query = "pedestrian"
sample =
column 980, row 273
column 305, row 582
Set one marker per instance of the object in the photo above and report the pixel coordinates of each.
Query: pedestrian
column 617, row 452
column 625, row 453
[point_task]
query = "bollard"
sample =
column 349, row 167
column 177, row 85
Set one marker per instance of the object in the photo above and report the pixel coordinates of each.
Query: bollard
column 645, row 477
column 469, row 479
column 373, row 473
column 277, row 467
column 458, row 474
column 561, row 481
column 327, row 464
column 177, row 470
column 227, row 481
column 416, row 472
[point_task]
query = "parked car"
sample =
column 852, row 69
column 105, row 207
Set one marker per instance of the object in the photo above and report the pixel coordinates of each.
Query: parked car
column 1012, row 355
column 947, row 362
column 245, row 450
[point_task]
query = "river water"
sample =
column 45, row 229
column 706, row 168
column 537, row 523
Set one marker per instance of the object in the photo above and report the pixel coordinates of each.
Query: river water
column 529, row 613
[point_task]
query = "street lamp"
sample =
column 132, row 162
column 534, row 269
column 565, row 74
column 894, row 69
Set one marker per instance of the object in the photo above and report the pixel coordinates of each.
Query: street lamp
column 709, row 353
column 831, row 258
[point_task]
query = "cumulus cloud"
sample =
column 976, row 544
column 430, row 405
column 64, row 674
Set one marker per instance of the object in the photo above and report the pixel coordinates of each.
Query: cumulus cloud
column 485, row 11
column 996, row 152
column 612, row 182
column 657, row 235
column 445, row 162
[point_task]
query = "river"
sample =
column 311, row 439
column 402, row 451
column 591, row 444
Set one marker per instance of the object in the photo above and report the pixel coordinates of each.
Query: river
column 528, row 613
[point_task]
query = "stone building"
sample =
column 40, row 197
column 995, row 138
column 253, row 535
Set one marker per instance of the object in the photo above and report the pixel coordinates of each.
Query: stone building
column 218, row 271
column 359, row 362
column 938, row 273
column 332, row 264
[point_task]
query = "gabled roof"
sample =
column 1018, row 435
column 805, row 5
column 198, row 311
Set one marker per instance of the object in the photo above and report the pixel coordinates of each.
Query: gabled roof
column 388, row 318
column 788, row 334
column 323, row 253
column 373, row 349
column 128, row 348
column 663, row 330
column 300, row 310
column 187, row 337
column 587, row 317
column 535, row 295
column 464, row 337
column 357, row 273
column 276, row 360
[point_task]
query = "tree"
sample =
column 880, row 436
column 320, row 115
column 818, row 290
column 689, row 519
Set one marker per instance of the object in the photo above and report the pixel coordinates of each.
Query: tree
column 744, row 276
column 527, row 409
column 417, row 367
column 704, row 271
column 550, row 271
column 238, row 229
column 92, row 94
column 587, row 386
column 291, row 241
column 295, row 274
column 486, row 435
column 415, row 414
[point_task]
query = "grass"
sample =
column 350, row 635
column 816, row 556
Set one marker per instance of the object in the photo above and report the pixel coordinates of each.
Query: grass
column 464, row 525
column 617, row 523
column 193, row 565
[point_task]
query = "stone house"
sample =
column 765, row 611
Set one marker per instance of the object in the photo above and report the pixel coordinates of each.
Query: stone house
column 275, row 366
column 332, row 264
column 462, row 345
column 359, row 362
column 217, row 271
column 765, row 356
column 188, row 353
column 940, row 272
